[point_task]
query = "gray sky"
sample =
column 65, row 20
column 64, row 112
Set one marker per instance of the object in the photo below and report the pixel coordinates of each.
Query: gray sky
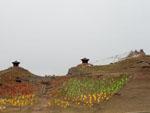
column 49, row 36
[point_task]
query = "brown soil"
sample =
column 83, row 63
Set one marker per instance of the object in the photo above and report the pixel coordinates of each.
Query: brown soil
column 133, row 98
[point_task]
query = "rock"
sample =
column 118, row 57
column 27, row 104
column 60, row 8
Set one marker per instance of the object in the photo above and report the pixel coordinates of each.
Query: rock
column 136, row 53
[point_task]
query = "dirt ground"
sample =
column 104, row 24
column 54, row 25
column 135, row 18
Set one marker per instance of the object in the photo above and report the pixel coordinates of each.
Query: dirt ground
column 133, row 98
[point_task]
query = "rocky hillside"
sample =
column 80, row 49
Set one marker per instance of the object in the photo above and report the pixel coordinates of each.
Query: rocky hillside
column 133, row 63
column 14, row 74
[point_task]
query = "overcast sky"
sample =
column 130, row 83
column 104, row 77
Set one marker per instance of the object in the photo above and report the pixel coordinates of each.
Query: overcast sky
column 50, row 36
